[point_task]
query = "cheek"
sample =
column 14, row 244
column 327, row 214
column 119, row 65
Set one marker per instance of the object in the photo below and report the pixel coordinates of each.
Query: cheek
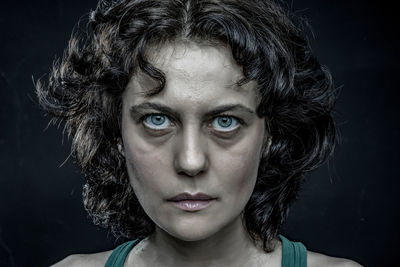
column 146, row 168
column 145, row 165
column 241, row 172
column 240, row 165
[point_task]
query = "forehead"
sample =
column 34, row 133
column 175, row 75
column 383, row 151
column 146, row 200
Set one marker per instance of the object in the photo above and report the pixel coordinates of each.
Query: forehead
column 196, row 62
column 195, row 71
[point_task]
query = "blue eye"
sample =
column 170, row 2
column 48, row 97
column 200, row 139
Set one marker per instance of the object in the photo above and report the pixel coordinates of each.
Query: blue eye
column 225, row 123
column 157, row 121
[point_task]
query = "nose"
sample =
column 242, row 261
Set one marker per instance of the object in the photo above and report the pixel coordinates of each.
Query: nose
column 191, row 153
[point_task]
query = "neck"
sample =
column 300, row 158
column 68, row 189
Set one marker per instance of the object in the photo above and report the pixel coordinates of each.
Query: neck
column 228, row 247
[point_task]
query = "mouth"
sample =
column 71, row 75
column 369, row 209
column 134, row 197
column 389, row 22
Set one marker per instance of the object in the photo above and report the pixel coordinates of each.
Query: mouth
column 189, row 202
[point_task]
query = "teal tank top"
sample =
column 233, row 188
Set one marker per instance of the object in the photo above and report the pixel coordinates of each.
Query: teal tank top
column 294, row 254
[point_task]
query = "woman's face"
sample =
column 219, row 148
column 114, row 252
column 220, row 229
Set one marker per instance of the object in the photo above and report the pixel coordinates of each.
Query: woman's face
column 200, row 134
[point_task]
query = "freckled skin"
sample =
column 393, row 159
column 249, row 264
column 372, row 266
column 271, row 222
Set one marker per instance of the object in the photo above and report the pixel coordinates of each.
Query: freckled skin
column 190, row 155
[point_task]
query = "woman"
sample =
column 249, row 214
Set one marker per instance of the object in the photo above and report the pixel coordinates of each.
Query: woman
column 194, row 123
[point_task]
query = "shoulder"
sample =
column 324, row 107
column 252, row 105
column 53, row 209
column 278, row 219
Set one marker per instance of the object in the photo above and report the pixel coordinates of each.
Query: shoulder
column 316, row 259
column 89, row 260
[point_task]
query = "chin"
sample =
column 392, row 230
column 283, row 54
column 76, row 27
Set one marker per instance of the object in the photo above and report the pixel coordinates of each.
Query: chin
column 192, row 231
column 192, row 236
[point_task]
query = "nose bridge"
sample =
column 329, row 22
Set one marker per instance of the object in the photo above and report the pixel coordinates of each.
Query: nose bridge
column 191, row 155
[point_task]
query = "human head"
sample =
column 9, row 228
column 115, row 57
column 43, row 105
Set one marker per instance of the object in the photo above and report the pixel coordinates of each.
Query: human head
column 200, row 134
column 296, row 97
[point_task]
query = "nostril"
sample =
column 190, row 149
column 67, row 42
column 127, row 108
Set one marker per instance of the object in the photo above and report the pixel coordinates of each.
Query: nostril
column 189, row 173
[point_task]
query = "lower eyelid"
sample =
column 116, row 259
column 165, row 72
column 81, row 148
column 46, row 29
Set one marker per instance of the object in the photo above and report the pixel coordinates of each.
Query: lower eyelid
column 230, row 131
column 228, row 134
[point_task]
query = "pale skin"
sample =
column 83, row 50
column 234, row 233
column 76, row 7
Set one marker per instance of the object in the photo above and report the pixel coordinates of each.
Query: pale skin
column 199, row 134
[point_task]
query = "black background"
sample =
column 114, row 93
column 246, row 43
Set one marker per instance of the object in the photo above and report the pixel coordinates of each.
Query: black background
column 346, row 209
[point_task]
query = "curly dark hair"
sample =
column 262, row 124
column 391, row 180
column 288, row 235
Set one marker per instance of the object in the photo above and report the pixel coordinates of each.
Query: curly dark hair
column 297, row 97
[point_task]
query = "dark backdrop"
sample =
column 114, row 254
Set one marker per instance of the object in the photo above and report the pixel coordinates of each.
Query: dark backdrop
column 346, row 209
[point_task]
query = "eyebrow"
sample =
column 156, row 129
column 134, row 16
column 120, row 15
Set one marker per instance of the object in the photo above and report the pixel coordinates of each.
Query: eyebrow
column 138, row 109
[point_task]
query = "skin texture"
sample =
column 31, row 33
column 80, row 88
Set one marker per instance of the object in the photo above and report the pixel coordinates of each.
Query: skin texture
column 191, row 152
column 194, row 153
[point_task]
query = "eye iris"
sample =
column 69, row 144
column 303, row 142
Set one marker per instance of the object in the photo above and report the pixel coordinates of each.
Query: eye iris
column 157, row 119
column 225, row 121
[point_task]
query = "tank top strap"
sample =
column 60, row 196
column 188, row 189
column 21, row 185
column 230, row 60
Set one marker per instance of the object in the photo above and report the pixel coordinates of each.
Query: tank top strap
column 119, row 254
column 294, row 254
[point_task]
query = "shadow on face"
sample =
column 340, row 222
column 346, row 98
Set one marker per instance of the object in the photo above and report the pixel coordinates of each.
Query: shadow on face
column 200, row 134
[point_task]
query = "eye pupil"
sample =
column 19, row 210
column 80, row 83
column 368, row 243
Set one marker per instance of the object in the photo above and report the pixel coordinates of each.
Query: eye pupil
column 157, row 119
column 224, row 121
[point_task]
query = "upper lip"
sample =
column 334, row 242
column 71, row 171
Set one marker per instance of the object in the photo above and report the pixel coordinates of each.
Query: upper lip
column 188, row 196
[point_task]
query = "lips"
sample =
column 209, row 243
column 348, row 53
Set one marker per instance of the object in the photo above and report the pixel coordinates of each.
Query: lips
column 187, row 196
column 192, row 203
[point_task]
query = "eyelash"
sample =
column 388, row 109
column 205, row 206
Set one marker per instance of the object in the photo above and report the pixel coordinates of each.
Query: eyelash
column 239, row 121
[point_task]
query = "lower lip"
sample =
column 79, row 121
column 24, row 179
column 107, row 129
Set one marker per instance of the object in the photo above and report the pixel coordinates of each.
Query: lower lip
column 192, row 205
